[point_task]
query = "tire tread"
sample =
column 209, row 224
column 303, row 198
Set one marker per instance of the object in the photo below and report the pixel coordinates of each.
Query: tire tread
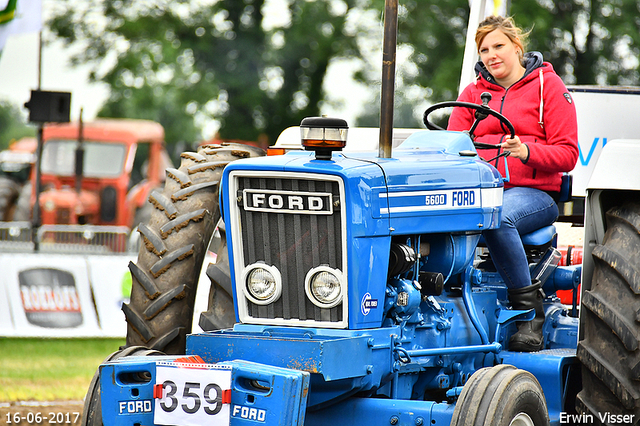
column 610, row 347
column 165, row 276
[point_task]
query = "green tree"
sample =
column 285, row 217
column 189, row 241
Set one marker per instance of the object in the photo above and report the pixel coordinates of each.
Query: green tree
column 13, row 125
column 186, row 64
column 431, row 35
column 587, row 41
column 404, row 115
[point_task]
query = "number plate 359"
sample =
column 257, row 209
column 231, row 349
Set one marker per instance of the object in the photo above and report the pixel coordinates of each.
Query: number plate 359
column 192, row 396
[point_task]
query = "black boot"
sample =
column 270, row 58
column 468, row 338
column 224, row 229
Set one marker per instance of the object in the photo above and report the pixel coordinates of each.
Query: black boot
column 528, row 338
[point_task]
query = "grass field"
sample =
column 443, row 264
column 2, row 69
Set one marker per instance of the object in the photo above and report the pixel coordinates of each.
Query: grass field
column 33, row 369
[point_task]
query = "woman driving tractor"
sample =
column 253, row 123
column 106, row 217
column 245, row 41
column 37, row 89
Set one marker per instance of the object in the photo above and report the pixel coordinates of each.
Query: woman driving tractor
column 532, row 96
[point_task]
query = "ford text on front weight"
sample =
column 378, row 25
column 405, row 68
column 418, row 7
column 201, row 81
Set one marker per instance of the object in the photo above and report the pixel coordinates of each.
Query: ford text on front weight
column 249, row 413
column 287, row 201
column 134, row 407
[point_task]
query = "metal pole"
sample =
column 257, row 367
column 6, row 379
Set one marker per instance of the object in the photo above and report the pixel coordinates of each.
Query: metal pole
column 388, row 77
column 79, row 164
column 35, row 214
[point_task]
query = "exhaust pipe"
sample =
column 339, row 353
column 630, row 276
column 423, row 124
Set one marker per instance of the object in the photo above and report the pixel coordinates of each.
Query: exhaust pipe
column 388, row 77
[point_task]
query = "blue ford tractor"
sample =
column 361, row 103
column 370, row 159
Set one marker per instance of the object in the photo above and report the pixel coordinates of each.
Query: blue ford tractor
column 361, row 294
column 358, row 297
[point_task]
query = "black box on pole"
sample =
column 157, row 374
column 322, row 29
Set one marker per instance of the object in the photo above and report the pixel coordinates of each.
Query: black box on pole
column 49, row 107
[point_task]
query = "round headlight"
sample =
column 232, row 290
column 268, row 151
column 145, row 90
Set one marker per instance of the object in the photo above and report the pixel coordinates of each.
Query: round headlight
column 324, row 286
column 262, row 283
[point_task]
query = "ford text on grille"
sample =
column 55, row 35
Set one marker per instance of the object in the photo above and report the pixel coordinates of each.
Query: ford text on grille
column 287, row 201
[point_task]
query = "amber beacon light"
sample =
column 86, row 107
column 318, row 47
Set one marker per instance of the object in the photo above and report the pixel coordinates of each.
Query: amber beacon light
column 323, row 135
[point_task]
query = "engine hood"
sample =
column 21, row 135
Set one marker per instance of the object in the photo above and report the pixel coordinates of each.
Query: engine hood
column 434, row 182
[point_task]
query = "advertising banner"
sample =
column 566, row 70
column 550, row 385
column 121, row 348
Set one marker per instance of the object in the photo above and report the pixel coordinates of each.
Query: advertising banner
column 50, row 296
column 63, row 295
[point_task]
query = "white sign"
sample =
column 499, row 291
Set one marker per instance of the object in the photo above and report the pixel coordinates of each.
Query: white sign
column 66, row 295
column 603, row 115
column 49, row 296
column 192, row 394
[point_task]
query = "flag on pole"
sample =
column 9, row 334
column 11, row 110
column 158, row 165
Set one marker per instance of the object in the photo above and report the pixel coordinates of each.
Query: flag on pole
column 499, row 7
column 7, row 10
column 492, row 7
column 19, row 16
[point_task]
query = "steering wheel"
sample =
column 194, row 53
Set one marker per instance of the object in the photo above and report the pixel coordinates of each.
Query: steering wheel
column 482, row 112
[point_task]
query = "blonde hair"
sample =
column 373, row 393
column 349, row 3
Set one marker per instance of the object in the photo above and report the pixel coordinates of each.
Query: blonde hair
column 508, row 28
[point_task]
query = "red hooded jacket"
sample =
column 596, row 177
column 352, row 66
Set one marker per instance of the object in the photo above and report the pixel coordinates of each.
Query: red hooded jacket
column 544, row 117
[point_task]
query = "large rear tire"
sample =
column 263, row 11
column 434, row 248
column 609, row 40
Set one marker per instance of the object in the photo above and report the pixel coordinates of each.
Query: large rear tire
column 165, row 277
column 501, row 396
column 609, row 321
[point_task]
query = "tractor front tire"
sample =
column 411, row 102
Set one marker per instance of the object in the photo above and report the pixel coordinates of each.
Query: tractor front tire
column 609, row 321
column 501, row 396
column 174, row 243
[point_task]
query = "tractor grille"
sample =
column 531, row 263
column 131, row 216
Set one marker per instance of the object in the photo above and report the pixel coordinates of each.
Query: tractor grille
column 63, row 216
column 292, row 242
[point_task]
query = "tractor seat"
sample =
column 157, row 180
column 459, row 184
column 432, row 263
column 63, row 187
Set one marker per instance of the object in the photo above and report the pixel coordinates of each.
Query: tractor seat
column 535, row 243
column 540, row 237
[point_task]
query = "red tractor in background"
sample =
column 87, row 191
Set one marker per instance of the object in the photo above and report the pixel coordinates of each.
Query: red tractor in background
column 101, row 172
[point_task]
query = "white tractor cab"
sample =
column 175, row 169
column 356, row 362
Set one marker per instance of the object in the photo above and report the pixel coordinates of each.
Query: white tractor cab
column 603, row 116
column 610, row 286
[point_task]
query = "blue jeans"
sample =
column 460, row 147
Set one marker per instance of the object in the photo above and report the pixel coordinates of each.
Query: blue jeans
column 523, row 211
